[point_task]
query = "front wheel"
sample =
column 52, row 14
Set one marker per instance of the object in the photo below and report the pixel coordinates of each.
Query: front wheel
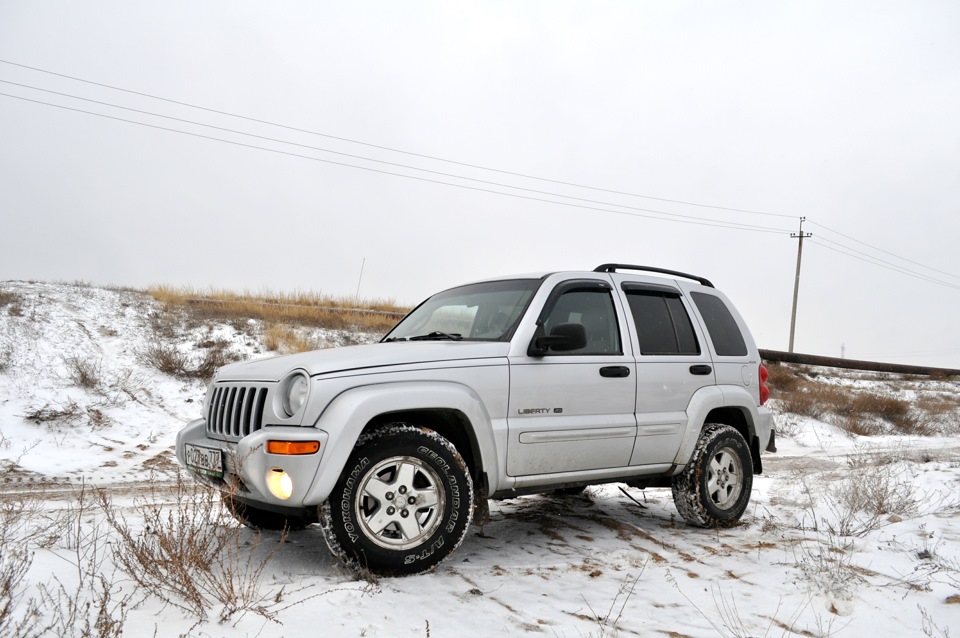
column 402, row 504
column 713, row 490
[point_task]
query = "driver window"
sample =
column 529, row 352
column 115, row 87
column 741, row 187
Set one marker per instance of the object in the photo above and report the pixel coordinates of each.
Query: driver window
column 594, row 309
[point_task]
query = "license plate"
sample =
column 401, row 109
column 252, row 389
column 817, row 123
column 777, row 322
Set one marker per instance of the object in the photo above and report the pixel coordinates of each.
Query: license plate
column 205, row 460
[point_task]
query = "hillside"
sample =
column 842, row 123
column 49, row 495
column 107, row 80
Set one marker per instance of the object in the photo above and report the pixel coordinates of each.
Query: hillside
column 854, row 527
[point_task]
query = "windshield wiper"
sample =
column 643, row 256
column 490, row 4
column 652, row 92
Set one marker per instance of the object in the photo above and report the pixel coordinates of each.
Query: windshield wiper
column 436, row 335
column 394, row 339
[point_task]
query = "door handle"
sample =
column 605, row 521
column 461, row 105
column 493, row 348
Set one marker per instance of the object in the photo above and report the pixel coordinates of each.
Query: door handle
column 700, row 369
column 615, row 371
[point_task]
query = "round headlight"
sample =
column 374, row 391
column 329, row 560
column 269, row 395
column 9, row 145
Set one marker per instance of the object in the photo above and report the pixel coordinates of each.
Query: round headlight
column 295, row 393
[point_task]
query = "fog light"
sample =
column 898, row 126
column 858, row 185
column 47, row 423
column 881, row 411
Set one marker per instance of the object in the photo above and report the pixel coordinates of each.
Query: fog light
column 279, row 483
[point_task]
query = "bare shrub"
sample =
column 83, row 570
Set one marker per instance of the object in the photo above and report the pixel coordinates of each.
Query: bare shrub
column 608, row 623
column 169, row 359
column 6, row 356
column 166, row 358
column 85, row 373
column 188, row 555
column 865, row 500
column 94, row 605
column 18, row 617
column 826, row 563
column 69, row 412
column 24, row 520
column 90, row 605
column 788, row 424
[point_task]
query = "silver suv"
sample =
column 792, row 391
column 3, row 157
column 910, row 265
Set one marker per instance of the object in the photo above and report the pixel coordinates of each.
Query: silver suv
column 510, row 386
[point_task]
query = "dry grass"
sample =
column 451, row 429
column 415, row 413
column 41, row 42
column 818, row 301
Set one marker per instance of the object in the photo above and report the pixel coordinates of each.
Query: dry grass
column 286, row 339
column 8, row 297
column 806, row 393
column 298, row 308
column 12, row 301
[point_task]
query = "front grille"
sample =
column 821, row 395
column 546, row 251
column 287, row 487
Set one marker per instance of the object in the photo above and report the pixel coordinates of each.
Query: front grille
column 235, row 411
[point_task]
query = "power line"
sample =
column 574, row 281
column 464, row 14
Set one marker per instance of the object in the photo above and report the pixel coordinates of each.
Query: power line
column 370, row 159
column 881, row 264
column 396, row 150
column 887, row 252
column 716, row 224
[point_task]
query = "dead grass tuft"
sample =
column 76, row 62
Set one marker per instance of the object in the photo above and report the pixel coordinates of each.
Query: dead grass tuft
column 286, row 339
column 12, row 301
column 8, row 297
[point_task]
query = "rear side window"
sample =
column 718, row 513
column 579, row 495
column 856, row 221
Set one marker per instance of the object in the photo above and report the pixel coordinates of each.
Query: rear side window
column 722, row 327
column 662, row 323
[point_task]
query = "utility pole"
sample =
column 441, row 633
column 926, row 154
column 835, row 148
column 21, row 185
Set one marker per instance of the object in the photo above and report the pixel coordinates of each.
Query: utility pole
column 796, row 282
column 360, row 279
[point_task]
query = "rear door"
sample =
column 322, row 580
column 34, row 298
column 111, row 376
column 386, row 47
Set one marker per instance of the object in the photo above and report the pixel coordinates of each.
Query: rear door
column 672, row 363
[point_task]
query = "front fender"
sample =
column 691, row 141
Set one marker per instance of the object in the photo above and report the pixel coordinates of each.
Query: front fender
column 349, row 413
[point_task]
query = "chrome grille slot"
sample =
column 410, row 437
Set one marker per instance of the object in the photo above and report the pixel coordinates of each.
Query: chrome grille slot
column 235, row 411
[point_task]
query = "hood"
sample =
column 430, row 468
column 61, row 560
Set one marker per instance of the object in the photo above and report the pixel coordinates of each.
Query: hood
column 375, row 355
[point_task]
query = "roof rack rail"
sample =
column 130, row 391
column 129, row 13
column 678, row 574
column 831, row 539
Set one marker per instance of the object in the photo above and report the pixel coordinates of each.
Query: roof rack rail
column 662, row 271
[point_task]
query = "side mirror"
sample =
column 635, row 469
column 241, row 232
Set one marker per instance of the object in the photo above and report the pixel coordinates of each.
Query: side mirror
column 562, row 338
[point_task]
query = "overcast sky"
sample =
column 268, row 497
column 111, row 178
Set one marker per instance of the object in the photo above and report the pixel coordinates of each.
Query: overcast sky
column 847, row 113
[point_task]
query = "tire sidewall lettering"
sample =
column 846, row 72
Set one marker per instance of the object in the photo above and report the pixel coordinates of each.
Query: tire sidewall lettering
column 346, row 500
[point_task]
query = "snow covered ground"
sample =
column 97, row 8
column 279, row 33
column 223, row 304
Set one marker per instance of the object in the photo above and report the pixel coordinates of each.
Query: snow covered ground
column 845, row 535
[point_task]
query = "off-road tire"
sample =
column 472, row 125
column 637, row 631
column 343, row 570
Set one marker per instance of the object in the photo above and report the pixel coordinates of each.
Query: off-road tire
column 402, row 504
column 257, row 518
column 713, row 490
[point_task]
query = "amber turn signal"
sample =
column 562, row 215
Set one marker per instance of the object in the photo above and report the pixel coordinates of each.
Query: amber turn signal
column 293, row 447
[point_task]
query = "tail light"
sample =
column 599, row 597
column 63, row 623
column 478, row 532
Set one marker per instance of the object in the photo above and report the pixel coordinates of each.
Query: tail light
column 764, row 390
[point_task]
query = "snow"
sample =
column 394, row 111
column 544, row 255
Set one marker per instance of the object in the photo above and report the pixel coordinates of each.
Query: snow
column 613, row 561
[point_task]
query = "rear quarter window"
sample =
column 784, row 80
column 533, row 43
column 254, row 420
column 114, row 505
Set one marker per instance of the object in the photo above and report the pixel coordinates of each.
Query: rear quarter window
column 721, row 326
column 662, row 324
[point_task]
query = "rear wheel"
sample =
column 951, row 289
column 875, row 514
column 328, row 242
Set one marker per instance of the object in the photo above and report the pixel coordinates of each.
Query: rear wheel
column 714, row 488
column 402, row 504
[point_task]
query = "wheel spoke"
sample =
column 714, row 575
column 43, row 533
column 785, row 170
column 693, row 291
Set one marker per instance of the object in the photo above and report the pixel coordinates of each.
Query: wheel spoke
column 427, row 498
column 721, row 461
column 379, row 521
column 405, row 475
column 713, row 486
column 409, row 526
column 377, row 489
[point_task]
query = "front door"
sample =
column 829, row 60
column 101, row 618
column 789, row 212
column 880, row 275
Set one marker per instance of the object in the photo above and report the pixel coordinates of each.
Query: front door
column 574, row 411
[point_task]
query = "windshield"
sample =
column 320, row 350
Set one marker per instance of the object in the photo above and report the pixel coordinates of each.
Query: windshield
column 487, row 311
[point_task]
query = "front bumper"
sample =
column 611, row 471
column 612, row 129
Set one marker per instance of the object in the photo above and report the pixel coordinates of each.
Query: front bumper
column 247, row 464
